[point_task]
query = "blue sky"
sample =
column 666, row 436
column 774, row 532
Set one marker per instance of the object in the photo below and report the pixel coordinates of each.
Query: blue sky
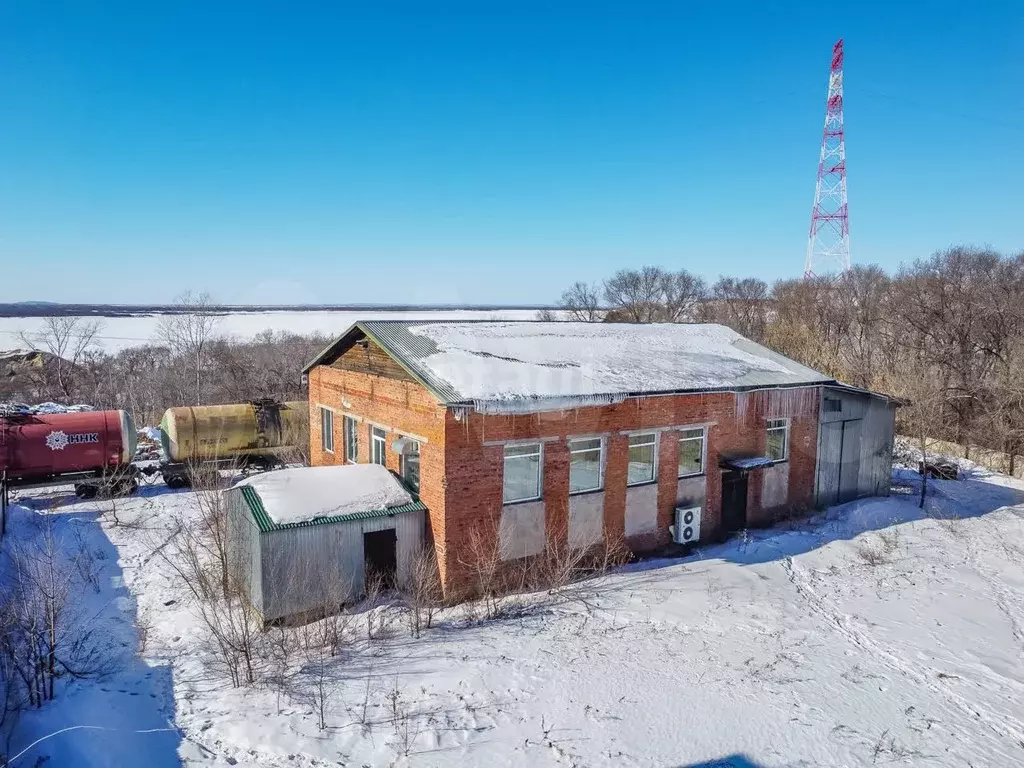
column 485, row 152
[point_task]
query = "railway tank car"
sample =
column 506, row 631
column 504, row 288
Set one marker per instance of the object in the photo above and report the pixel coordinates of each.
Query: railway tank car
column 253, row 434
column 91, row 449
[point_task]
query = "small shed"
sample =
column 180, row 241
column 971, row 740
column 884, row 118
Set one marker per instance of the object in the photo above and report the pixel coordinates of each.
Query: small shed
column 856, row 428
column 304, row 540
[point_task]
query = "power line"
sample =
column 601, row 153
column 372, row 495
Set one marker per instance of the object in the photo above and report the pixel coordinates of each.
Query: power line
column 920, row 106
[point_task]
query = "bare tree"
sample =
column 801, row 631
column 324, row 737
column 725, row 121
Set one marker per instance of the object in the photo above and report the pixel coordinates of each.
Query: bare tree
column 741, row 304
column 13, row 700
column 682, row 295
column 1003, row 418
column 582, row 302
column 198, row 553
column 635, row 295
column 920, row 414
column 482, row 563
column 322, row 643
column 868, row 351
column 68, row 340
column 189, row 333
column 404, row 721
column 207, row 529
column 423, row 593
column 958, row 317
column 46, row 632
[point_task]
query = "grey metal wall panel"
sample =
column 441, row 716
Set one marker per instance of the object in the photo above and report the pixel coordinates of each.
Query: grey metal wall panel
column 243, row 546
column 854, row 447
column 849, row 471
column 315, row 567
column 877, row 436
column 830, row 454
column 853, row 405
column 641, row 509
column 586, row 519
column 692, row 491
column 775, row 486
column 521, row 531
column 311, row 568
column 410, row 535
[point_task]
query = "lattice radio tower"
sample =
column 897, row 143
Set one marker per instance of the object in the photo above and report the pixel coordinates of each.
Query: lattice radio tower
column 828, row 244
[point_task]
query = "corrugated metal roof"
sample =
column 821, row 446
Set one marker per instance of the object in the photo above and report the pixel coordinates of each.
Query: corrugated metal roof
column 267, row 525
column 411, row 350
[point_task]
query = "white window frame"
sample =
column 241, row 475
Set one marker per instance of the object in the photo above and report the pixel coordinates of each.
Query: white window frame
column 349, row 430
column 374, row 440
column 654, row 479
column 403, row 460
column 540, row 470
column 774, row 425
column 600, row 463
column 327, row 430
column 703, row 449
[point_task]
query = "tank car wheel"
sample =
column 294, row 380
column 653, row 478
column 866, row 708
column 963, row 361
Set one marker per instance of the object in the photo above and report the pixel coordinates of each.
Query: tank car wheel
column 83, row 491
column 125, row 487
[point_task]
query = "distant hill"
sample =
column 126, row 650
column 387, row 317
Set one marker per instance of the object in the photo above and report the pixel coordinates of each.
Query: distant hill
column 50, row 309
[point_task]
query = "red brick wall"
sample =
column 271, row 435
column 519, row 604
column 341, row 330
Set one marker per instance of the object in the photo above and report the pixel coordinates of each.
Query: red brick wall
column 474, row 493
column 461, row 464
column 400, row 406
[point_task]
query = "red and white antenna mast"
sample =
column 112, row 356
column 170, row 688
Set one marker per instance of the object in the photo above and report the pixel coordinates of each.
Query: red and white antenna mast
column 828, row 245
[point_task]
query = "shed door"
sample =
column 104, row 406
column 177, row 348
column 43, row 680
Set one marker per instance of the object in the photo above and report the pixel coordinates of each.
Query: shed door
column 830, row 456
column 850, row 466
column 380, row 550
column 839, row 461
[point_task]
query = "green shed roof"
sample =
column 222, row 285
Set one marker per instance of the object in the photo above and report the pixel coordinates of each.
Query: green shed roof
column 267, row 525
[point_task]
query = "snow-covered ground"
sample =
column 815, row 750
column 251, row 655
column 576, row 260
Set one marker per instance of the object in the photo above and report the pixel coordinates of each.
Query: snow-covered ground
column 122, row 332
column 872, row 634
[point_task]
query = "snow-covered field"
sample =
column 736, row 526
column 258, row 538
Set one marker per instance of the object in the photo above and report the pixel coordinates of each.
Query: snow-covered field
column 872, row 634
column 122, row 332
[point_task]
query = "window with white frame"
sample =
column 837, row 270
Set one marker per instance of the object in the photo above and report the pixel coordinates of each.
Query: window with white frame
column 378, row 439
column 522, row 472
column 350, row 435
column 778, row 439
column 327, row 429
column 643, row 458
column 585, row 465
column 411, row 465
column 691, row 452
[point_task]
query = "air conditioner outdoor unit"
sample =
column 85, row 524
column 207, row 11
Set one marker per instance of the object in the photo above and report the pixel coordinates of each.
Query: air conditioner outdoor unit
column 687, row 527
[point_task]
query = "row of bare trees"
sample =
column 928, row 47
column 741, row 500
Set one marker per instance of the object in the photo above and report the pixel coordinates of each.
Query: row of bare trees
column 190, row 361
column 49, row 632
column 946, row 333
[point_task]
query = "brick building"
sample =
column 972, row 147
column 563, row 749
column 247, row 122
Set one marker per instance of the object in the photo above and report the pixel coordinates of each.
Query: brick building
column 571, row 431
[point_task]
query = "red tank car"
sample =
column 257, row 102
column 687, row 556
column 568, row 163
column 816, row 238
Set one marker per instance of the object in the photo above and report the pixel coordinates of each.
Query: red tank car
column 89, row 449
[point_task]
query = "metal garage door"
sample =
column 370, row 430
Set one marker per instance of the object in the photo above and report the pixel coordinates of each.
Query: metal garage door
column 838, row 461
column 849, row 470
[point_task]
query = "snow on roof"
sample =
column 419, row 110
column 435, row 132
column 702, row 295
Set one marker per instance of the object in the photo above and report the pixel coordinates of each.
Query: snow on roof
column 306, row 493
column 509, row 366
column 752, row 462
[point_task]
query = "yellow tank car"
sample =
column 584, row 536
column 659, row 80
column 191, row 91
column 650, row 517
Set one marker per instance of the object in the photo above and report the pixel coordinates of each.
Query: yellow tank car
column 218, row 432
